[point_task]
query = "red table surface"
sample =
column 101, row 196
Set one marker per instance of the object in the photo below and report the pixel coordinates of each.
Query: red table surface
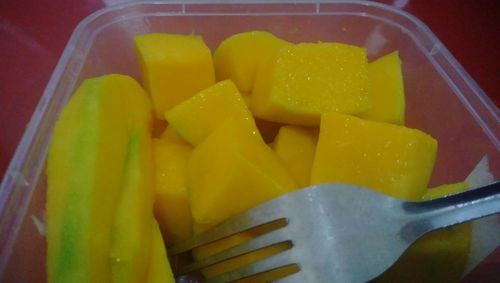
column 33, row 35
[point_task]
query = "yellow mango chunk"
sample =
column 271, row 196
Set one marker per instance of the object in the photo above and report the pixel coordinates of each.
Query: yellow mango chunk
column 239, row 55
column 171, row 196
column 445, row 190
column 300, row 82
column 386, row 90
column 296, row 147
column 195, row 118
column 232, row 171
column 173, row 68
column 170, row 135
column 159, row 268
column 388, row 158
column 439, row 256
column 85, row 177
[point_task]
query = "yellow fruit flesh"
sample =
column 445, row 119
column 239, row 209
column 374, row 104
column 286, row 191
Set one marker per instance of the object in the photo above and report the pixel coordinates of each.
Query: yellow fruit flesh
column 84, row 176
column 300, row 82
column 169, row 62
column 229, row 164
column 159, row 268
column 296, row 147
column 171, row 196
column 238, row 57
column 386, row 90
column 131, row 230
column 197, row 117
column 391, row 159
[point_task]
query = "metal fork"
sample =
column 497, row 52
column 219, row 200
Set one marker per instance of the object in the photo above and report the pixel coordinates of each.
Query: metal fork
column 339, row 233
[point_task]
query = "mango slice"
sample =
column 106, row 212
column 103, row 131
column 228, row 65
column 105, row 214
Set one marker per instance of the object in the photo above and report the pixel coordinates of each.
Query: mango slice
column 159, row 268
column 197, row 117
column 232, row 171
column 439, row 256
column 239, row 55
column 386, row 90
column 296, row 147
column 85, row 178
column 300, row 82
column 171, row 196
column 390, row 159
column 173, row 68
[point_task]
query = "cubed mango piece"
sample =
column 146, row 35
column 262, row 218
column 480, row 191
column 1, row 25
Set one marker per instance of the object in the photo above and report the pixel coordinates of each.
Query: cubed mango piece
column 302, row 81
column 386, row 90
column 296, row 147
column 195, row 118
column 171, row 196
column 239, row 55
column 388, row 158
column 159, row 268
column 232, row 171
column 173, row 68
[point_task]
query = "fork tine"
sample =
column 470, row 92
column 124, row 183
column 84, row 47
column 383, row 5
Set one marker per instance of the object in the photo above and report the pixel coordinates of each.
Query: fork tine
column 273, row 238
column 276, row 261
column 260, row 215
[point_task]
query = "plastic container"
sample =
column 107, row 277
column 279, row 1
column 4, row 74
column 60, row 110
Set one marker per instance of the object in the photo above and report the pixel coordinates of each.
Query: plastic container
column 442, row 99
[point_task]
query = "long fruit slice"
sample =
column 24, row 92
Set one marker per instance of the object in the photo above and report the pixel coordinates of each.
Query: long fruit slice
column 131, row 230
column 85, row 175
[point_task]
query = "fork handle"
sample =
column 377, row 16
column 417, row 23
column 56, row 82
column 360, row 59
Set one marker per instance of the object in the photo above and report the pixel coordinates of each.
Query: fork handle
column 455, row 209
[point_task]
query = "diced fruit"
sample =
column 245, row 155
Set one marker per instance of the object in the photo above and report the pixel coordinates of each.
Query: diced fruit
column 296, row 147
column 439, row 256
column 238, row 57
column 171, row 135
column 159, row 267
column 232, row 171
column 171, row 195
column 300, row 82
column 445, row 190
column 85, row 178
column 173, row 68
column 195, row 118
column 388, row 158
column 386, row 90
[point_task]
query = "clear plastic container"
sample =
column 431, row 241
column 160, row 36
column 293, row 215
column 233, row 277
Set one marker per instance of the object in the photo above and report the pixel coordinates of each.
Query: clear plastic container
column 442, row 99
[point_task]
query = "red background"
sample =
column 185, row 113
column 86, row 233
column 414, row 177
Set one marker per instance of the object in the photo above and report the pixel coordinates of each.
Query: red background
column 33, row 35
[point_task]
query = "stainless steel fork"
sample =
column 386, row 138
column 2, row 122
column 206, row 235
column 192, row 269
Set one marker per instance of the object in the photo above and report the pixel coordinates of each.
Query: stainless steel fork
column 339, row 233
